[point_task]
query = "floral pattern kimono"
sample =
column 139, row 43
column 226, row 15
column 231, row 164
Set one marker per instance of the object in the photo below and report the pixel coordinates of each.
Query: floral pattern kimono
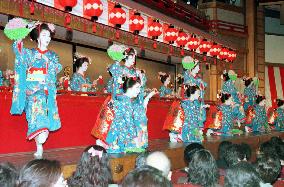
column 193, row 121
column 250, row 93
column 109, row 86
column 123, row 131
column 279, row 119
column 35, row 89
column 164, row 91
column 259, row 122
column 77, row 81
column 229, row 87
column 226, row 117
column 1, row 78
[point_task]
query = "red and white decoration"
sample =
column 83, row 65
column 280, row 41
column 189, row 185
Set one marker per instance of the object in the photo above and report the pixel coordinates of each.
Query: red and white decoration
column 274, row 84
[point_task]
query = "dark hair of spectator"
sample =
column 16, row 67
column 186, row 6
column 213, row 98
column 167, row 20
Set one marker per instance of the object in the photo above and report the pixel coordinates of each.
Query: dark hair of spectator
column 246, row 149
column 92, row 170
column 202, row 169
column 8, row 175
column 145, row 176
column 234, row 154
column 190, row 150
column 40, row 172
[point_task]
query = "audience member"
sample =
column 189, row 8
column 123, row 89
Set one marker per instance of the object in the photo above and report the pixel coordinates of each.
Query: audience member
column 242, row 174
column 93, row 168
column 8, row 175
column 246, row 150
column 145, row 176
column 268, row 168
column 160, row 161
column 202, row 169
column 233, row 155
column 41, row 173
column 267, row 148
column 141, row 159
column 223, row 146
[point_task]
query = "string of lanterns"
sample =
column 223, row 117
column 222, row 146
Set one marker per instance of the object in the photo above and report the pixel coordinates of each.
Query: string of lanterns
column 172, row 35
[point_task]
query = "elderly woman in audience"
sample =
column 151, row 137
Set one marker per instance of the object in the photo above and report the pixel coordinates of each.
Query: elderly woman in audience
column 42, row 173
column 146, row 176
column 202, row 169
column 93, row 168
column 8, row 175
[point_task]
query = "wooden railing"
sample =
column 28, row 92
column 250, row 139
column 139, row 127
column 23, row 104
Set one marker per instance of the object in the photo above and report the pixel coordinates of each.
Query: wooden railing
column 231, row 27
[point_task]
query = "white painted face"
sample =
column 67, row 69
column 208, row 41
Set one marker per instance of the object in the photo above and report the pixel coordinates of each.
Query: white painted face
column 229, row 101
column 168, row 80
column 262, row 103
column 196, row 69
column 196, row 95
column 84, row 67
column 61, row 182
column 44, row 38
column 130, row 61
column 134, row 90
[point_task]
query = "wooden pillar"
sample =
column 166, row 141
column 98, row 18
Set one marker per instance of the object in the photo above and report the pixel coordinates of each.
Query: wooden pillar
column 250, row 22
column 213, row 82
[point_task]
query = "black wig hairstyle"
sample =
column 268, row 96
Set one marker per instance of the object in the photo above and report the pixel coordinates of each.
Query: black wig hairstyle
column 145, row 176
column 279, row 102
column 163, row 78
column 224, row 97
column 242, row 174
column 79, row 62
column 226, row 76
column 92, row 170
column 8, row 175
column 190, row 150
column 128, row 52
column 202, row 169
column 129, row 82
column 190, row 89
column 268, row 168
column 34, row 34
column 259, row 98
column 180, row 80
column 234, row 154
column 247, row 81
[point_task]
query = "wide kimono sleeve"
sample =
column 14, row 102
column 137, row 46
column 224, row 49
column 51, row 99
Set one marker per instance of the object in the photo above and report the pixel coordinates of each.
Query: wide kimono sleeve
column 23, row 57
column 116, row 71
column 1, row 78
column 75, row 83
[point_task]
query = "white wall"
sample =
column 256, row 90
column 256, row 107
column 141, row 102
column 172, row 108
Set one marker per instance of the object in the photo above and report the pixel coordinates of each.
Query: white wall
column 274, row 49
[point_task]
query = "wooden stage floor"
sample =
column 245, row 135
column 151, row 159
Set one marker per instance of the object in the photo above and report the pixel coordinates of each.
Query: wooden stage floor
column 122, row 163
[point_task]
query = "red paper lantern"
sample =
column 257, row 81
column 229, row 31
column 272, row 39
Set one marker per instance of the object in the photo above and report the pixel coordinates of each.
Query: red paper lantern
column 32, row 7
column 193, row 43
column 171, row 34
column 136, row 23
column 223, row 53
column 182, row 40
column 155, row 29
column 215, row 51
column 204, row 47
column 93, row 9
column 117, row 16
column 232, row 55
column 68, row 4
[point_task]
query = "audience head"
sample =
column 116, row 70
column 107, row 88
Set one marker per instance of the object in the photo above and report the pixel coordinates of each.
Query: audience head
column 202, row 169
column 8, row 175
column 246, row 150
column 43, row 173
column 234, row 154
column 276, row 140
column 93, row 168
column 280, row 152
column 268, row 168
column 223, row 146
column 242, row 174
column 141, row 159
column 160, row 161
column 190, row 150
column 267, row 148
column 145, row 176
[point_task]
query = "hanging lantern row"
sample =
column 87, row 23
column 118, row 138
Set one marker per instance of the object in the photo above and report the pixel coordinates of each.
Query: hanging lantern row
column 117, row 17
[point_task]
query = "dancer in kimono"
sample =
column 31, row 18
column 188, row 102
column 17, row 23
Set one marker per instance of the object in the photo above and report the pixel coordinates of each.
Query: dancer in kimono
column 164, row 90
column 227, row 116
column 35, row 85
column 250, row 92
column 277, row 118
column 1, row 78
column 78, row 81
column 257, row 117
column 193, row 120
column 64, row 82
column 124, row 134
column 179, row 83
column 229, row 79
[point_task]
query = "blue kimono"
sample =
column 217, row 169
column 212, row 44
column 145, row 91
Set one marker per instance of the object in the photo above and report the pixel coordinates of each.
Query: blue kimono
column 77, row 81
column 279, row 120
column 251, row 93
column 1, row 78
column 193, row 121
column 260, row 121
column 35, row 89
column 229, row 115
column 229, row 87
column 123, row 130
column 164, row 91
column 109, row 86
